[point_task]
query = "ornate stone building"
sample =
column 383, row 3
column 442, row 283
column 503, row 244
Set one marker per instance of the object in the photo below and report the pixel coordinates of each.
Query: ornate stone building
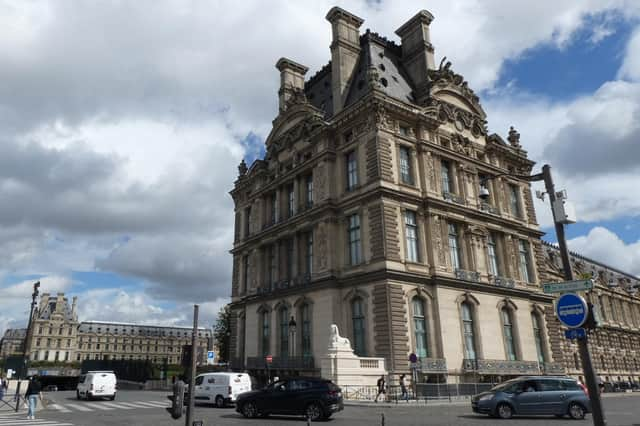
column 11, row 342
column 58, row 336
column 615, row 345
column 365, row 213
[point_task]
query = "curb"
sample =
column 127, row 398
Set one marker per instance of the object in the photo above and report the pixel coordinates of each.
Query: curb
column 412, row 404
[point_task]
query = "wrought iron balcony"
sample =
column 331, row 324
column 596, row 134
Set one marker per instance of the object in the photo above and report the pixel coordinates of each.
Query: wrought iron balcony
column 503, row 282
column 552, row 368
column 433, row 365
column 486, row 207
column 453, row 198
column 282, row 363
column 500, row 367
column 462, row 274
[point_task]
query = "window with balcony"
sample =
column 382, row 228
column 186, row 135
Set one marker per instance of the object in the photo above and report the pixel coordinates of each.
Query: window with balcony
column 446, row 177
column 273, row 208
column 538, row 336
column 305, row 314
column 291, row 201
column 245, row 272
column 289, row 261
column 354, row 239
column 265, row 335
column 411, row 235
column 525, row 261
column 406, row 172
column 247, row 221
column 507, row 334
column 514, row 200
column 273, row 267
column 492, row 250
column 352, row 170
column 420, row 328
column 309, row 191
column 357, row 321
column 468, row 331
column 309, row 253
column 454, row 246
column 283, row 317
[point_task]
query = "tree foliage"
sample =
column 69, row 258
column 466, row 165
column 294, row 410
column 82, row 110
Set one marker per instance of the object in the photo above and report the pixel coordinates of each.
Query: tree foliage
column 222, row 333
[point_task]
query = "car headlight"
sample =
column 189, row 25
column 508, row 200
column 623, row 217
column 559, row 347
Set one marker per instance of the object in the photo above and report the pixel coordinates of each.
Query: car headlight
column 486, row 397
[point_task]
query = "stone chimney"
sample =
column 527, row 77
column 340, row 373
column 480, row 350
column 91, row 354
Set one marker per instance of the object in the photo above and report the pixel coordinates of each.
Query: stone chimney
column 291, row 80
column 74, row 307
column 345, row 51
column 417, row 50
column 60, row 302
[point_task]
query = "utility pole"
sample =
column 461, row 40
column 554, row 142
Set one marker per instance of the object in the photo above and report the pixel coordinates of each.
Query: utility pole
column 192, row 373
column 585, row 356
column 28, row 335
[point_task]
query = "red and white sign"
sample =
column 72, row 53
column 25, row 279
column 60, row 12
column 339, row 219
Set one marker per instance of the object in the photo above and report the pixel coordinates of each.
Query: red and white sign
column 269, row 359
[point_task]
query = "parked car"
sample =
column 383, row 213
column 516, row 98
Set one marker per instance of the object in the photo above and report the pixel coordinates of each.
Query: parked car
column 95, row 384
column 311, row 397
column 534, row 395
column 221, row 388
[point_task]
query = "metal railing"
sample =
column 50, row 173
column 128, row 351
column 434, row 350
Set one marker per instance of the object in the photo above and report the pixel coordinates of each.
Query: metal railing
column 423, row 392
column 279, row 362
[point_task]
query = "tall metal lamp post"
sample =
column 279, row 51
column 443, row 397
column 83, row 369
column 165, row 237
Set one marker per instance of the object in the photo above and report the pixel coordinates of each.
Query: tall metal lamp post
column 27, row 338
column 585, row 356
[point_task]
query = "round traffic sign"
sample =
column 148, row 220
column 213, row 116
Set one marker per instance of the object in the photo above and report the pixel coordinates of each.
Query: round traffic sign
column 572, row 310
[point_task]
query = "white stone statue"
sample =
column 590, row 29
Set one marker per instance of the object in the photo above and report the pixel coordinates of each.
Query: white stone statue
column 335, row 341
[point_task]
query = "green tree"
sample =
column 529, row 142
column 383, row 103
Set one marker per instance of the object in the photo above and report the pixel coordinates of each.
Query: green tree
column 222, row 333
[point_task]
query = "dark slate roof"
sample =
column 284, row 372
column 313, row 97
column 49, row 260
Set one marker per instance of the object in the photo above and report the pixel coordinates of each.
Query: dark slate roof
column 377, row 52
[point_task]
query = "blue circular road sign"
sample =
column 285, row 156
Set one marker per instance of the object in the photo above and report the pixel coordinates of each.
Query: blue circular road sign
column 572, row 310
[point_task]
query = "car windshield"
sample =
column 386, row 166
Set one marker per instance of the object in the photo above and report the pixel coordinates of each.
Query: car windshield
column 275, row 385
column 508, row 385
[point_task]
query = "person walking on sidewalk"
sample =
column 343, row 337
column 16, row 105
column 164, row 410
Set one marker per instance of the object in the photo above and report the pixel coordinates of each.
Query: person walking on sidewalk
column 32, row 395
column 381, row 384
column 403, row 388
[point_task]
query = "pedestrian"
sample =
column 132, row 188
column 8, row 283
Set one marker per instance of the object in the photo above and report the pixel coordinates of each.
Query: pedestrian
column 381, row 384
column 2, row 387
column 32, row 395
column 403, row 388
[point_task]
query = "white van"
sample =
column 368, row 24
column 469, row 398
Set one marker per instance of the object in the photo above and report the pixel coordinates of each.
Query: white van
column 221, row 388
column 97, row 384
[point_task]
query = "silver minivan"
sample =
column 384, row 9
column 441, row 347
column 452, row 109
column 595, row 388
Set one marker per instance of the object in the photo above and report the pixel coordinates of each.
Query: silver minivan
column 534, row 395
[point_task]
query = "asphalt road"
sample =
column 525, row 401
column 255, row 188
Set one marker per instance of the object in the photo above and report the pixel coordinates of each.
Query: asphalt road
column 144, row 408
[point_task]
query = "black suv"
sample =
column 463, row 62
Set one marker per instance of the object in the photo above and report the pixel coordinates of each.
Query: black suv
column 312, row 397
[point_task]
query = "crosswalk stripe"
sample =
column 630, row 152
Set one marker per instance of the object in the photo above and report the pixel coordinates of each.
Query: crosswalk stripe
column 80, row 407
column 60, row 408
column 99, row 407
column 43, row 422
column 148, row 404
column 134, row 404
column 117, row 405
column 158, row 403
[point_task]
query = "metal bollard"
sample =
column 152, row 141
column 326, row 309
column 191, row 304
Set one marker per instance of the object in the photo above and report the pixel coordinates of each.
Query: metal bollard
column 308, row 420
column 381, row 419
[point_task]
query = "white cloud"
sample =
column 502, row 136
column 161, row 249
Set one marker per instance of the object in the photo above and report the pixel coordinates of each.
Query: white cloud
column 605, row 246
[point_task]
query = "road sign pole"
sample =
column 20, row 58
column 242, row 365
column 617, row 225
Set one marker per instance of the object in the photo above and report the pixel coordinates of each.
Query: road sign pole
column 585, row 356
column 192, row 378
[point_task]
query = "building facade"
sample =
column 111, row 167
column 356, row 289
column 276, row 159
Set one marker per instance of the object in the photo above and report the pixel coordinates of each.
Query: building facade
column 58, row 336
column 365, row 213
column 12, row 342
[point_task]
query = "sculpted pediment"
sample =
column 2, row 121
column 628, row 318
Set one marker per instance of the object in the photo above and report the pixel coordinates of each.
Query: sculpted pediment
column 449, row 87
column 299, row 121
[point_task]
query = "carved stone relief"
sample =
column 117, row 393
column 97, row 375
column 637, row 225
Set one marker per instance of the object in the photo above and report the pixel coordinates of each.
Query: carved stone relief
column 437, row 237
column 321, row 237
column 320, row 182
column 431, row 171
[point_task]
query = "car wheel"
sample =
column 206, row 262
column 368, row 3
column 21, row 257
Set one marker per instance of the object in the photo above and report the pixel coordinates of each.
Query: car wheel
column 112, row 397
column 78, row 395
column 576, row 411
column 219, row 401
column 314, row 412
column 504, row 411
column 249, row 410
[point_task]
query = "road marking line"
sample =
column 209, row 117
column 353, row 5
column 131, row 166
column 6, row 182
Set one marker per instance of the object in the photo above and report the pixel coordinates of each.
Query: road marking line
column 134, row 404
column 159, row 403
column 80, row 407
column 99, row 407
column 59, row 407
column 34, row 422
column 117, row 405
column 148, row 404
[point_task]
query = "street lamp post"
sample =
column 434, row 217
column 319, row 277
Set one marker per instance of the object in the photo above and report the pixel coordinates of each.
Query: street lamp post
column 292, row 330
column 27, row 338
column 585, row 356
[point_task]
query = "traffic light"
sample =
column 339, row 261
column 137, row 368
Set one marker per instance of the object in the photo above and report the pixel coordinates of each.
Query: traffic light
column 185, row 361
column 177, row 400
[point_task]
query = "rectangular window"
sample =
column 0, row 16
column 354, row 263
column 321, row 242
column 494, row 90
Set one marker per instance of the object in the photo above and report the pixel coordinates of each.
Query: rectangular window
column 454, row 246
column 514, row 200
column 247, row 221
column 354, row 239
column 525, row 261
column 406, row 175
column 273, row 267
column 245, row 272
column 493, row 254
column 265, row 333
column 352, row 170
column 447, row 181
column 306, row 330
column 273, row 203
column 291, row 206
column 411, row 233
column 309, row 257
column 289, row 245
column 309, row 191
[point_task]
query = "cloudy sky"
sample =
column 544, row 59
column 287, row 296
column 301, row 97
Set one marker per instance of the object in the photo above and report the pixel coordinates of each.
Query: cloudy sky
column 122, row 123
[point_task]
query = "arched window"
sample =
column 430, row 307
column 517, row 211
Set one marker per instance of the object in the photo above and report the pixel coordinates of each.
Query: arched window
column 357, row 319
column 420, row 328
column 468, row 331
column 265, row 333
column 283, row 314
column 537, row 337
column 507, row 332
column 305, row 314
